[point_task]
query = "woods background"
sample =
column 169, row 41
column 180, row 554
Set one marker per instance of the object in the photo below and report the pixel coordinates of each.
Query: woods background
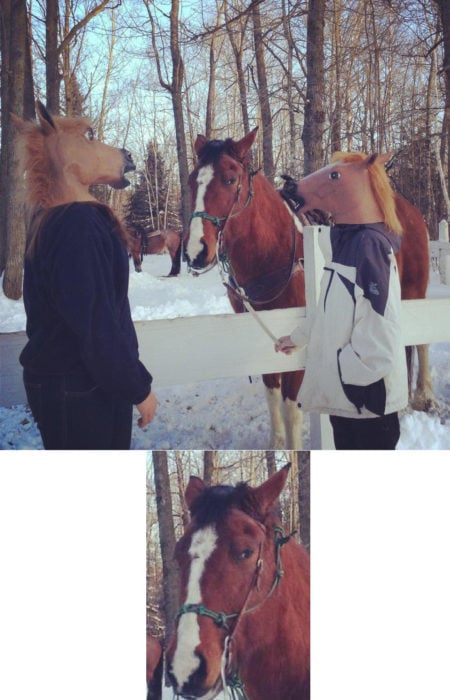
column 315, row 76
column 167, row 514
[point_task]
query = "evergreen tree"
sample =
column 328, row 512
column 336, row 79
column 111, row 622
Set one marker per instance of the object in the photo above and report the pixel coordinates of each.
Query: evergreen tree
column 149, row 205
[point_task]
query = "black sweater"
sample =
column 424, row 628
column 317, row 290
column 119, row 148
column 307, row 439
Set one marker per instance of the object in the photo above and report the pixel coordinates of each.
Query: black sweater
column 76, row 301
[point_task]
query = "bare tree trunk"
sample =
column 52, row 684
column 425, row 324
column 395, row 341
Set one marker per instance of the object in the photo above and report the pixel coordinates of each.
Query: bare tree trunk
column 336, row 107
column 263, row 94
column 289, row 96
column 314, row 123
column 167, row 539
column 304, row 495
column 17, row 97
column 444, row 7
column 238, row 49
column 185, row 518
column 52, row 73
column 270, row 460
column 209, row 466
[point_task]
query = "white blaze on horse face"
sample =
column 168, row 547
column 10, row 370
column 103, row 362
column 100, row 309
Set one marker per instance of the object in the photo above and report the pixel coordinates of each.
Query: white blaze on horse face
column 185, row 662
column 195, row 246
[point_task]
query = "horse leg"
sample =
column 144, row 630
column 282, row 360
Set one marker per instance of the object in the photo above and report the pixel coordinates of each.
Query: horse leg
column 409, row 349
column 423, row 399
column 176, row 261
column 293, row 416
column 274, row 403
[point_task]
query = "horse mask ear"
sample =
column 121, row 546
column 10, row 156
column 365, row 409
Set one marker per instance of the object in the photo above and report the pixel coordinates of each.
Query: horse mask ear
column 194, row 489
column 381, row 158
column 267, row 494
column 45, row 118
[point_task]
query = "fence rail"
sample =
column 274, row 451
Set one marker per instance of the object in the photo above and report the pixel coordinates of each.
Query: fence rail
column 200, row 348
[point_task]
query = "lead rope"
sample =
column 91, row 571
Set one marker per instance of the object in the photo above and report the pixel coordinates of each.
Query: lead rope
column 225, row 271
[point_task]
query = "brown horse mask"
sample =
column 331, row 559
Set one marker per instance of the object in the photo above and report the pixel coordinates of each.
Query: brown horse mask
column 62, row 159
column 345, row 189
column 228, row 567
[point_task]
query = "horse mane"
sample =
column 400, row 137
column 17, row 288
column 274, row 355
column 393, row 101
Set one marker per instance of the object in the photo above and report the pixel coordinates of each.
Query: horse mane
column 215, row 502
column 381, row 187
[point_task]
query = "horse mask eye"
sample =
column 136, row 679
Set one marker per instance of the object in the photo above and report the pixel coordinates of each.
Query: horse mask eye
column 335, row 175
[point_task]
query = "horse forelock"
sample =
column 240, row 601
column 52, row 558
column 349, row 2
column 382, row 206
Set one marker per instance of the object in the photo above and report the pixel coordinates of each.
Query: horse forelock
column 212, row 150
column 215, row 503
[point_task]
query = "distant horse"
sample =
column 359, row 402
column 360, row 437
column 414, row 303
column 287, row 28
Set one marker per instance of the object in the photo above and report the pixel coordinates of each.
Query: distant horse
column 355, row 188
column 62, row 159
column 240, row 219
column 244, row 621
column 154, row 668
column 155, row 243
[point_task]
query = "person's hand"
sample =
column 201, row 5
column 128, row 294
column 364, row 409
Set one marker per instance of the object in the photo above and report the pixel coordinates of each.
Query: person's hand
column 286, row 345
column 147, row 409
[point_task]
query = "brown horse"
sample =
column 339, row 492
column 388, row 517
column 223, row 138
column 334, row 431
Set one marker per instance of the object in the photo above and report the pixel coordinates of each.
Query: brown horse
column 154, row 668
column 155, row 243
column 238, row 214
column 355, row 188
column 244, row 621
column 62, row 159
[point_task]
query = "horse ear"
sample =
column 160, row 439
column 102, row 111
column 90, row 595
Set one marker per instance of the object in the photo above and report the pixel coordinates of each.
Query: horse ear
column 243, row 146
column 45, row 118
column 199, row 143
column 194, row 489
column 267, row 494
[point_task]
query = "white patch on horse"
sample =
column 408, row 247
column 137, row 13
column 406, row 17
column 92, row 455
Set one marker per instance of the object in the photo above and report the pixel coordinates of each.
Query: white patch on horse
column 185, row 662
column 194, row 246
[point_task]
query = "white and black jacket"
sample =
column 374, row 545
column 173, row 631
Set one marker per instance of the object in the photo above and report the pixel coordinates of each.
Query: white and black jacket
column 356, row 363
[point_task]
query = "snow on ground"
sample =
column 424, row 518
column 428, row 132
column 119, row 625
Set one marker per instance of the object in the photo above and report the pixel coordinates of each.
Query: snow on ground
column 221, row 414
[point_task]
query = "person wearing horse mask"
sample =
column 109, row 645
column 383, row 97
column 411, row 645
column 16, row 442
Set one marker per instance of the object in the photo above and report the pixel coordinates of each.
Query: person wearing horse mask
column 82, row 371
column 356, row 363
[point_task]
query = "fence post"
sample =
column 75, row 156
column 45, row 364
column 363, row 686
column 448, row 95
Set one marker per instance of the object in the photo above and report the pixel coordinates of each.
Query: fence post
column 444, row 255
column 321, row 435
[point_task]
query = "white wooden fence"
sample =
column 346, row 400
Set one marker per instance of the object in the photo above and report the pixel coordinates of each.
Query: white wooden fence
column 186, row 350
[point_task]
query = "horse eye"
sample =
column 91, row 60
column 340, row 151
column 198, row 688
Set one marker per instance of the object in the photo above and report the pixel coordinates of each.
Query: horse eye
column 230, row 181
column 246, row 554
column 90, row 134
column 335, row 175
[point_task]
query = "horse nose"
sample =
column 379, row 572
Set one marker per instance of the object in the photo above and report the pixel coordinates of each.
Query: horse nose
column 193, row 687
column 290, row 191
column 128, row 160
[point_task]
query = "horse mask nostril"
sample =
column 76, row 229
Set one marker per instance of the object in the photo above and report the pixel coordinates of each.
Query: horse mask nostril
column 128, row 160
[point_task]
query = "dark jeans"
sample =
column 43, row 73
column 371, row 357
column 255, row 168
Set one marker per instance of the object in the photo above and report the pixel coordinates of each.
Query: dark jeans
column 74, row 414
column 366, row 433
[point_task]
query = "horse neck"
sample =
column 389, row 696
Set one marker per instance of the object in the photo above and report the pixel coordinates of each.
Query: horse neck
column 260, row 233
column 279, row 627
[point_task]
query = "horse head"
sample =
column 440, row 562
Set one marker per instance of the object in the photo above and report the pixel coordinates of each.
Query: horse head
column 353, row 187
column 218, row 185
column 62, row 159
column 230, row 566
